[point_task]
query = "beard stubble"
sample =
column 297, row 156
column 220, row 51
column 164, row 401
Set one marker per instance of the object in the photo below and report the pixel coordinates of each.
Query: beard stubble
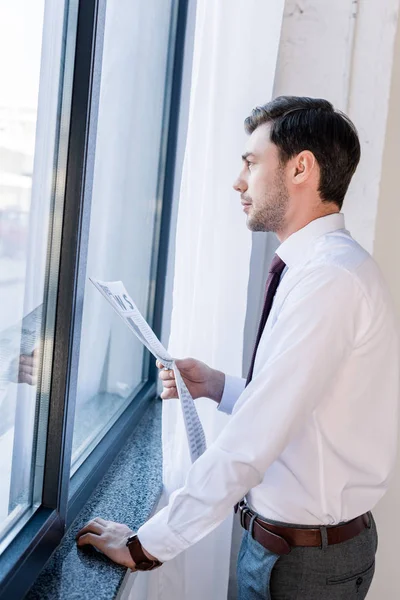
column 271, row 211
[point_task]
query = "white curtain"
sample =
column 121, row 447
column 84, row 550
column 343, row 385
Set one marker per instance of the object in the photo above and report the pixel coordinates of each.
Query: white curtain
column 235, row 53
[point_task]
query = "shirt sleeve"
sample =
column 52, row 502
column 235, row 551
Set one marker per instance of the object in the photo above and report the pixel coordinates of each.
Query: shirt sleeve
column 234, row 386
column 314, row 333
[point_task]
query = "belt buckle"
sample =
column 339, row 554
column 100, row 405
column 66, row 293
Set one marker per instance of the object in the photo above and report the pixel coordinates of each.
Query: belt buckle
column 243, row 509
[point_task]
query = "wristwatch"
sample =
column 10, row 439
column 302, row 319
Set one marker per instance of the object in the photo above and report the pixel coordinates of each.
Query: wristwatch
column 140, row 559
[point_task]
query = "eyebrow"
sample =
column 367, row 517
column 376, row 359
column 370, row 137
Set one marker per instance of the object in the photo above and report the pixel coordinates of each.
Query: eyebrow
column 246, row 155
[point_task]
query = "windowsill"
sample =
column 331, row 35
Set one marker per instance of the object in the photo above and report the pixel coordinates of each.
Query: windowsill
column 101, row 410
column 127, row 494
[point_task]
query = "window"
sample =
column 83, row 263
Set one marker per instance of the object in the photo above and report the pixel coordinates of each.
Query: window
column 28, row 129
column 113, row 365
column 88, row 125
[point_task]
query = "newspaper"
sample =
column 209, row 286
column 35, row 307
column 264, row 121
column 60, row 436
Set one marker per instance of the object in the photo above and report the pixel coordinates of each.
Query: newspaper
column 123, row 304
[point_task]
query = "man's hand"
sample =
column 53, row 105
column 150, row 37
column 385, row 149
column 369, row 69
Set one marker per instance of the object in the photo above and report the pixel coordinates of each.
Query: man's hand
column 200, row 379
column 110, row 538
column 28, row 368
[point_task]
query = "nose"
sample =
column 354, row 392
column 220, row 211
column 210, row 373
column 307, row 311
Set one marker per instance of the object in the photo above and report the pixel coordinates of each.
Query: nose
column 240, row 185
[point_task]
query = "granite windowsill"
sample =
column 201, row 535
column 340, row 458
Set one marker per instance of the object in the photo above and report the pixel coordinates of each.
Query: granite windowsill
column 128, row 493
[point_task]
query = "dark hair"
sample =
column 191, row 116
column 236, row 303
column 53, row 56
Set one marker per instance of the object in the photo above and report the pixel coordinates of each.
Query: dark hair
column 300, row 123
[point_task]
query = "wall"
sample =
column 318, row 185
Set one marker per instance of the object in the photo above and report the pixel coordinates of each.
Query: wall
column 387, row 253
column 344, row 51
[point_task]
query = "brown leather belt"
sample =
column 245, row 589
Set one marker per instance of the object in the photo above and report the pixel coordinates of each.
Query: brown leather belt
column 281, row 539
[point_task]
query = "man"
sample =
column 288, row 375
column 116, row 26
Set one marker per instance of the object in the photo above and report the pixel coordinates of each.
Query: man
column 311, row 442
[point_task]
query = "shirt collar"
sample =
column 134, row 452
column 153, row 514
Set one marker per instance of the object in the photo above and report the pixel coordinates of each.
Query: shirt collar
column 294, row 247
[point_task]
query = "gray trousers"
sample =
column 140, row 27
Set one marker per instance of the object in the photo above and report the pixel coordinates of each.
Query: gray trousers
column 337, row 572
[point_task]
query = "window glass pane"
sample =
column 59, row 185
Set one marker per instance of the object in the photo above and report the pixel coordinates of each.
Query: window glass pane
column 125, row 205
column 30, row 58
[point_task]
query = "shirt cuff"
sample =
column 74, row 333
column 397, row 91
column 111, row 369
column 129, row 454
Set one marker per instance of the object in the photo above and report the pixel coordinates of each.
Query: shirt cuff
column 158, row 539
column 234, row 386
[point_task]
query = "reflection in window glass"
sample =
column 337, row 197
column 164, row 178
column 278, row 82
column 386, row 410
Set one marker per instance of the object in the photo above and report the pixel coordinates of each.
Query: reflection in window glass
column 29, row 75
column 123, row 213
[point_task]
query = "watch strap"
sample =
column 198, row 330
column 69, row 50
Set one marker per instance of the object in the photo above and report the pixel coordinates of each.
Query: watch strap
column 140, row 559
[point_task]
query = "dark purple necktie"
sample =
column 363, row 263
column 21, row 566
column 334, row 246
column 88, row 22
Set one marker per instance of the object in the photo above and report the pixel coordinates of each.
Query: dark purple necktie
column 273, row 280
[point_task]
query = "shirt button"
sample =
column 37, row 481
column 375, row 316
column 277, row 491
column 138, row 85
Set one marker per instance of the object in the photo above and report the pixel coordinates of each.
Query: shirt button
column 359, row 581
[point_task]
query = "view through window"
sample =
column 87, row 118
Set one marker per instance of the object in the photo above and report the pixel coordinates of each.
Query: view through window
column 29, row 75
column 126, row 206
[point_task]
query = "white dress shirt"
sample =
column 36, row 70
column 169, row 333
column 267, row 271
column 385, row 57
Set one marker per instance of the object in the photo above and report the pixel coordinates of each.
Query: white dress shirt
column 312, row 439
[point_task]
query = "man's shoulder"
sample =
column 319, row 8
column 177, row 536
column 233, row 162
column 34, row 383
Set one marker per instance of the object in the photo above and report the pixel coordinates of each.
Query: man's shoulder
column 341, row 250
column 340, row 255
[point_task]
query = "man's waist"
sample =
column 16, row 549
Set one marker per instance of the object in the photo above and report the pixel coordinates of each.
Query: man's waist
column 281, row 538
column 282, row 507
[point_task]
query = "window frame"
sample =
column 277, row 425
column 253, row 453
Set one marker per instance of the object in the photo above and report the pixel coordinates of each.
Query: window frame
column 63, row 497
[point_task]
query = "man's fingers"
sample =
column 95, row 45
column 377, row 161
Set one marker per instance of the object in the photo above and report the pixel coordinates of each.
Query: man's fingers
column 91, row 527
column 25, row 360
column 101, row 521
column 92, row 539
column 29, row 379
column 159, row 364
column 169, row 393
column 29, row 359
column 170, row 383
column 166, row 375
column 28, row 369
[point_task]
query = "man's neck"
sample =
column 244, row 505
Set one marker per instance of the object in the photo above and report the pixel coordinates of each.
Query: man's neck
column 303, row 221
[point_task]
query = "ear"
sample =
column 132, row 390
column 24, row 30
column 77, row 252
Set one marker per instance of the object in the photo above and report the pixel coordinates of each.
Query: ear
column 304, row 167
